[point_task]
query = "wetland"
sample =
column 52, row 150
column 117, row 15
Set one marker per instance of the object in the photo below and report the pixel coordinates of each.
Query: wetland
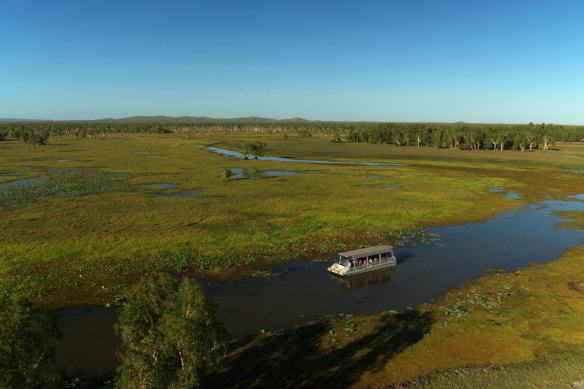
column 259, row 243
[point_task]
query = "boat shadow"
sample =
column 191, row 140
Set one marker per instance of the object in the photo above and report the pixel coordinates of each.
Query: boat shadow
column 310, row 355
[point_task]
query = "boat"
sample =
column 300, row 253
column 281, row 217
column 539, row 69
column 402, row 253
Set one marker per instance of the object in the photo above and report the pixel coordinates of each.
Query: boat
column 363, row 260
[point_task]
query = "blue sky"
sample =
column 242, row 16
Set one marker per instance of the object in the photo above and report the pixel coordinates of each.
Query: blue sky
column 475, row 61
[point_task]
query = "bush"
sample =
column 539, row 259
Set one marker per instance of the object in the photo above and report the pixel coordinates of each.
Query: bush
column 27, row 360
column 258, row 149
column 304, row 133
column 170, row 335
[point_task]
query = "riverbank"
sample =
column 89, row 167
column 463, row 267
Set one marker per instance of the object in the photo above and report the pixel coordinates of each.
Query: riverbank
column 532, row 315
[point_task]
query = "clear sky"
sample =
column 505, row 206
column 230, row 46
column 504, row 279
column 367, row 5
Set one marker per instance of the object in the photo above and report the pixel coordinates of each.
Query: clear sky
column 475, row 61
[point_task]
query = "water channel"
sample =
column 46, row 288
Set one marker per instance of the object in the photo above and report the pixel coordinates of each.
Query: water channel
column 235, row 154
column 305, row 291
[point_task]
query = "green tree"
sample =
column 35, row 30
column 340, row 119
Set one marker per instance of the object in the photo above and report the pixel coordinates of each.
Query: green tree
column 169, row 333
column 258, row 149
column 27, row 360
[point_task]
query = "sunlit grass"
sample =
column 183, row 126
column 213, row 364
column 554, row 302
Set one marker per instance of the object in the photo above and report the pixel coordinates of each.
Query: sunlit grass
column 232, row 223
column 528, row 324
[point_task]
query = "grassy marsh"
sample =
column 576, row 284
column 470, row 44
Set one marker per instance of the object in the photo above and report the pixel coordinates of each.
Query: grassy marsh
column 87, row 248
column 72, row 246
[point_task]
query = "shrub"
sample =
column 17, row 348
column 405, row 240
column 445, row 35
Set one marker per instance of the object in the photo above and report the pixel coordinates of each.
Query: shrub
column 27, row 360
column 170, row 335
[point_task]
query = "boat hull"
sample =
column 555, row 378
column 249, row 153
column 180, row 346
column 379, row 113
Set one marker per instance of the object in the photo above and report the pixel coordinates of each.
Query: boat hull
column 344, row 271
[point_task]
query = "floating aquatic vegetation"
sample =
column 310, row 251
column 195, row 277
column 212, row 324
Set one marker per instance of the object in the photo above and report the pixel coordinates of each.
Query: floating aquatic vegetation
column 59, row 183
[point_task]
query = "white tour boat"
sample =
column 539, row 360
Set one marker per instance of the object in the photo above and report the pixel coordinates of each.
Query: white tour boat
column 363, row 260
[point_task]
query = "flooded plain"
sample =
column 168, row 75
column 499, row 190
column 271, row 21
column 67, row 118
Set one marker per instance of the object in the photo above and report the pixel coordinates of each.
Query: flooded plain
column 305, row 291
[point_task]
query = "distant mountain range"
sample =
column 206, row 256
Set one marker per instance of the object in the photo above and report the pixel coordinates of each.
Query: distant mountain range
column 21, row 120
column 169, row 119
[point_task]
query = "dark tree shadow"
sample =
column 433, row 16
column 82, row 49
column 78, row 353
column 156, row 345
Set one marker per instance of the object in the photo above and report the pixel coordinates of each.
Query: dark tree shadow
column 296, row 359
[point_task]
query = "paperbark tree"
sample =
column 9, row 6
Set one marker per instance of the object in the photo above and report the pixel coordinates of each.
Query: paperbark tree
column 170, row 335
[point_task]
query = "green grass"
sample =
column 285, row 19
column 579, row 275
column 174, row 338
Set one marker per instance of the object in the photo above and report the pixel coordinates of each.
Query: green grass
column 86, row 248
column 113, row 230
column 565, row 372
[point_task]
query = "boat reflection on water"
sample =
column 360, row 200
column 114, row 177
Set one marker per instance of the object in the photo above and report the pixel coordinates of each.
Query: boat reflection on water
column 361, row 281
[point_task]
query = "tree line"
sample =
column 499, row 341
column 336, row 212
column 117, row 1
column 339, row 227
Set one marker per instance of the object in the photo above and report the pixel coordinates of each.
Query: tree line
column 468, row 137
column 457, row 135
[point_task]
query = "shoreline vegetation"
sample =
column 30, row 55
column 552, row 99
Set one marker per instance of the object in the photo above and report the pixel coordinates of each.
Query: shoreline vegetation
column 84, row 245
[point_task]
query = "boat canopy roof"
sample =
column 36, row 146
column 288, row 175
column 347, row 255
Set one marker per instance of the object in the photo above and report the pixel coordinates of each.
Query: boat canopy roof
column 368, row 251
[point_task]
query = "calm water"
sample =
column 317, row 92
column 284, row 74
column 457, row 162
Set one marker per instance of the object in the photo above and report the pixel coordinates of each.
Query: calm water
column 235, row 154
column 240, row 173
column 304, row 290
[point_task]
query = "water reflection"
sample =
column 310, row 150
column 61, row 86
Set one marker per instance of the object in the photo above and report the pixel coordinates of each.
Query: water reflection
column 235, row 154
column 241, row 173
column 360, row 281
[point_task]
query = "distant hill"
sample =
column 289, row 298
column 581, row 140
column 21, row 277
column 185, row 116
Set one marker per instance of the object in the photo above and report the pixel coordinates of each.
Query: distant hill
column 199, row 119
column 168, row 119
column 21, row 120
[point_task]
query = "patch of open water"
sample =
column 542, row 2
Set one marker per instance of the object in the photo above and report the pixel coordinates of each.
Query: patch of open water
column 19, row 184
column 241, row 173
column 183, row 194
column 69, row 160
column 165, row 186
column 305, row 289
column 235, row 154
column 508, row 195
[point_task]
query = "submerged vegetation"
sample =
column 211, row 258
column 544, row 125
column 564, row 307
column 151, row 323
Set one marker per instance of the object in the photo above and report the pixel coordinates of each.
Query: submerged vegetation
column 59, row 182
